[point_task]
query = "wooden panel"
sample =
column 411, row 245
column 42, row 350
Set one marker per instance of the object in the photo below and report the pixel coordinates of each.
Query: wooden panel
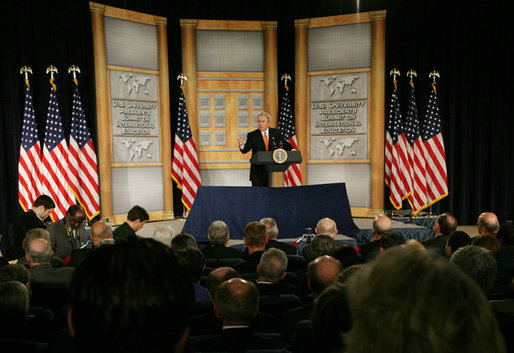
column 230, row 25
column 131, row 16
column 230, row 75
column 339, row 20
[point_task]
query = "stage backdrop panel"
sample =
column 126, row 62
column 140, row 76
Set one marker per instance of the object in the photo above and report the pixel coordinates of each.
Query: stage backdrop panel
column 294, row 209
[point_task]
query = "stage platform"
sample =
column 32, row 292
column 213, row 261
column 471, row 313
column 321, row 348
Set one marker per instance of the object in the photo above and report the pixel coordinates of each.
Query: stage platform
column 407, row 230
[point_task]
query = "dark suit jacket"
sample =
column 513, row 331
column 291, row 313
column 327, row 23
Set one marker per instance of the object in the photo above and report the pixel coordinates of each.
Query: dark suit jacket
column 236, row 340
column 255, row 143
column 48, row 274
column 29, row 220
column 250, row 265
column 61, row 243
column 209, row 324
column 370, row 247
column 221, row 252
column 287, row 248
column 78, row 255
column 123, row 232
column 291, row 318
column 268, row 289
column 437, row 242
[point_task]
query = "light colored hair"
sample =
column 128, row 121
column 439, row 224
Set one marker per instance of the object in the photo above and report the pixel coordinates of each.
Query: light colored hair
column 218, row 233
column 164, row 235
column 273, row 264
column 264, row 114
column 272, row 231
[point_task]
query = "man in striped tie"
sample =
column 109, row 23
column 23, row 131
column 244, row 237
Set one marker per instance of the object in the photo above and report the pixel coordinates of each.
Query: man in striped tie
column 264, row 138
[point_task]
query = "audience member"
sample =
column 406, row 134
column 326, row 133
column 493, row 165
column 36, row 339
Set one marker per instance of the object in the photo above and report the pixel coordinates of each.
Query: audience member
column 348, row 272
column 36, row 233
column 505, row 259
column 136, row 219
column 405, row 301
column 445, row 224
column 38, row 254
column 330, row 319
column 321, row 273
column 236, row 303
column 164, row 235
column 272, row 232
column 271, row 270
column 129, row 297
column 33, row 218
column 390, row 239
column 487, row 223
column 68, row 233
column 193, row 259
column 255, row 239
column 346, row 254
column 381, row 224
column 182, row 241
column 326, row 227
column 413, row 243
column 15, row 272
column 456, row 240
column 322, row 244
column 14, row 310
column 219, row 235
column 489, row 242
column 100, row 230
column 478, row 263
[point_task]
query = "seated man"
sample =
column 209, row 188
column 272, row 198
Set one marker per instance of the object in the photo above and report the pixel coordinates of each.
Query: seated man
column 255, row 239
column 193, row 259
column 478, row 263
column 33, row 218
column 271, row 271
column 38, row 254
column 272, row 231
column 236, row 303
column 68, row 233
column 164, row 235
column 456, row 240
column 218, row 235
column 381, row 224
column 326, row 226
column 34, row 234
column 487, row 223
column 182, row 241
column 445, row 224
column 425, row 301
column 322, row 244
column 136, row 219
column 99, row 231
column 130, row 297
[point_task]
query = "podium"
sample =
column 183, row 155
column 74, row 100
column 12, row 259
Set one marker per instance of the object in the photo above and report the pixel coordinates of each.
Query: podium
column 265, row 158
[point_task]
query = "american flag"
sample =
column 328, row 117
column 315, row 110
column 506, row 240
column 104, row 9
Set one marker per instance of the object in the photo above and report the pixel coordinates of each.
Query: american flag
column 292, row 176
column 397, row 172
column 29, row 163
column 54, row 166
column 185, row 169
column 416, row 155
column 437, row 183
column 82, row 160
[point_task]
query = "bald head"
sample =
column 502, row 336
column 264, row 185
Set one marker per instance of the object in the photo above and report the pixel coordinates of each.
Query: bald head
column 236, row 302
column 326, row 226
column 39, row 252
column 322, row 273
column 218, row 276
column 99, row 231
column 488, row 223
column 381, row 224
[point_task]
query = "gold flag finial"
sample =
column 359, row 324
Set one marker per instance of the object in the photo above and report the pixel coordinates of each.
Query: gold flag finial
column 73, row 69
column 411, row 74
column 182, row 78
column 52, row 70
column 434, row 75
column 25, row 70
column 286, row 77
column 394, row 72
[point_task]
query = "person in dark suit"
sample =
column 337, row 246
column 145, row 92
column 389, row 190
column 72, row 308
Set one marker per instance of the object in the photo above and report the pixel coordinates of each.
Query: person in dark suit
column 68, row 233
column 218, row 235
column 255, row 239
column 272, row 231
column 381, row 224
column 271, row 270
column 38, row 256
column 322, row 244
column 99, row 231
column 264, row 138
column 136, row 219
column 321, row 273
column 236, row 303
column 209, row 324
column 33, row 218
column 445, row 224
column 325, row 226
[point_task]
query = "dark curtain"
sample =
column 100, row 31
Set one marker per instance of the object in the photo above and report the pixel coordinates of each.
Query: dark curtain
column 467, row 43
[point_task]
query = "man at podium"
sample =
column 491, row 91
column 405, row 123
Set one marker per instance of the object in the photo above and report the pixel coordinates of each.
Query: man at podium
column 264, row 138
